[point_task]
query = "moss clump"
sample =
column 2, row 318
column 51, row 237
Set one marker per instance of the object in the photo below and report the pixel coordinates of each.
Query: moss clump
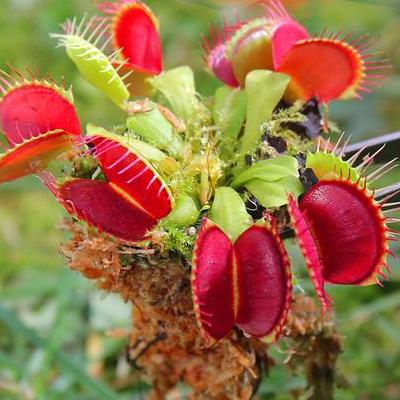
column 278, row 127
column 179, row 241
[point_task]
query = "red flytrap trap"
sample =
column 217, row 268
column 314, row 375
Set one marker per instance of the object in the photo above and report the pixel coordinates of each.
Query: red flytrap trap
column 216, row 184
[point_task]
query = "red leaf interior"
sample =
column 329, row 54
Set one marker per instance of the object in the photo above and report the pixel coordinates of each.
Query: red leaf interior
column 126, row 170
column 349, row 231
column 212, row 281
column 248, row 283
column 264, row 281
column 101, row 206
column 135, row 32
column 34, row 155
column 322, row 68
column 33, row 109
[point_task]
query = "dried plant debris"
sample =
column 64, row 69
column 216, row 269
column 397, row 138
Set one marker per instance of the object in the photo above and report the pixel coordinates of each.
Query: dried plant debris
column 165, row 341
column 314, row 347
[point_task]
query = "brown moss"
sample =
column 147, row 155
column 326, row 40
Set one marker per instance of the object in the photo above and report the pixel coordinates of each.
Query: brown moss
column 165, row 340
column 314, row 347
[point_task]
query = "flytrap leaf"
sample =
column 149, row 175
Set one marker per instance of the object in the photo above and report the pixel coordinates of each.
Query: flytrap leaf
column 132, row 200
column 131, row 173
column 39, row 121
column 29, row 108
column 93, row 64
column 34, row 155
column 235, row 50
column 329, row 166
column 327, row 69
column 135, row 32
column 342, row 233
column 103, row 206
column 252, row 276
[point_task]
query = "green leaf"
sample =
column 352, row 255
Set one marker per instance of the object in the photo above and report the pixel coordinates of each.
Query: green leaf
column 275, row 194
column 178, row 87
column 264, row 90
column 268, row 170
column 229, row 212
column 229, row 111
column 156, row 130
column 185, row 212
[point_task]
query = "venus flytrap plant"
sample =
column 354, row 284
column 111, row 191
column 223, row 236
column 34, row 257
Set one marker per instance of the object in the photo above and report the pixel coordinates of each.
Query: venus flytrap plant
column 39, row 121
column 334, row 252
column 146, row 150
column 335, row 69
column 251, row 273
column 24, row 102
column 93, row 64
column 132, row 200
column 134, row 30
column 163, row 205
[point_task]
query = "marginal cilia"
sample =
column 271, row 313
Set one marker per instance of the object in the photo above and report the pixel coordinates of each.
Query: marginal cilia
column 217, row 172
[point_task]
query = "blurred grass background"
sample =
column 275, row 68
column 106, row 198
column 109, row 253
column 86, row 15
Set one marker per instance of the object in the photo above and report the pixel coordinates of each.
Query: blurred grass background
column 54, row 325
